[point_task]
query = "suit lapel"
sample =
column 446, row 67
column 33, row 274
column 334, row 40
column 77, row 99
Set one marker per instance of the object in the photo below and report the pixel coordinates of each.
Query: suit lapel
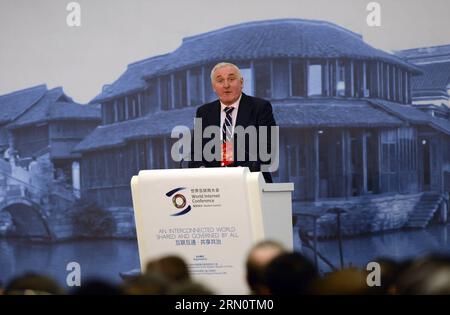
column 215, row 114
column 244, row 112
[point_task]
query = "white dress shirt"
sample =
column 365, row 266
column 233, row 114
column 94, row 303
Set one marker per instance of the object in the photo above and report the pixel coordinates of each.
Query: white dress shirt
column 233, row 115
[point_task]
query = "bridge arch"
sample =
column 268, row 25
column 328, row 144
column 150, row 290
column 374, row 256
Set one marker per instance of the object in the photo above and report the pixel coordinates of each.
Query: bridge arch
column 28, row 219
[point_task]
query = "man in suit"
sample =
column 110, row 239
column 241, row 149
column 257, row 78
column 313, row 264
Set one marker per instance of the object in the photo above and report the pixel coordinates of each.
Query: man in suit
column 233, row 112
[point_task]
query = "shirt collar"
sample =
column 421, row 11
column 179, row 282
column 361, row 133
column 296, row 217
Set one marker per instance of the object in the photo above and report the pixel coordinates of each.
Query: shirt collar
column 235, row 104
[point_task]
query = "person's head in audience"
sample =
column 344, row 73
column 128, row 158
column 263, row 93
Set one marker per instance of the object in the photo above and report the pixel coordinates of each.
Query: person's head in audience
column 150, row 283
column 290, row 273
column 258, row 258
column 33, row 284
column 429, row 275
column 349, row 281
column 172, row 267
column 97, row 287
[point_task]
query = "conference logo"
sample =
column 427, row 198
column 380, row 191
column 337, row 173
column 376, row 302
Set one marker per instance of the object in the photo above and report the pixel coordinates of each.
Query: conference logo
column 179, row 201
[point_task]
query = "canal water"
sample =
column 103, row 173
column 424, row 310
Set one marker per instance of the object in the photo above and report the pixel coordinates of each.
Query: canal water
column 397, row 245
column 103, row 259
column 107, row 258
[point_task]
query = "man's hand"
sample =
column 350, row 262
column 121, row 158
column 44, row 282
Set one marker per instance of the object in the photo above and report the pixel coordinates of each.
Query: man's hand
column 227, row 153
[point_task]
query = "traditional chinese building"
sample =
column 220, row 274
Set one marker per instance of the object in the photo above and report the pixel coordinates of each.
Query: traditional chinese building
column 349, row 135
column 12, row 106
column 39, row 122
column 39, row 173
column 431, row 89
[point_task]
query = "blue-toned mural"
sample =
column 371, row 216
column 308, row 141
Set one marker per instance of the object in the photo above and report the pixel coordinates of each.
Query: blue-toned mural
column 364, row 136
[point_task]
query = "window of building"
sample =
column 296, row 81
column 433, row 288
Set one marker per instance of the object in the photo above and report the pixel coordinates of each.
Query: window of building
column 298, row 75
column 407, row 149
column 180, row 89
column 108, row 112
column 133, row 108
column 297, row 166
column 315, row 86
column 356, row 161
column 381, row 87
column 386, row 81
column 170, row 162
column 248, row 81
column 340, row 78
column 400, row 97
column 195, row 86
column 122, row 163
column 331, row 178
column 280, row 81
column 142, row 157
column 209, row 93
column 388, row 147
column 372, row 79
column 166, row 92
column 361, row 78
column 263, row 79
column 292, row 159
column 407, row 157
column 358, row 78
column 157, row 153
column 371, row 138
column 392, row 83
column 405, row 87
column 149, row 101
column 248, row 76
column 332, row 77
column 120, row 109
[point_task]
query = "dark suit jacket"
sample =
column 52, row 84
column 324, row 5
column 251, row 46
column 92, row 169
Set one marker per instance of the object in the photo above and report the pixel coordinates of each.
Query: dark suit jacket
column 252, row 111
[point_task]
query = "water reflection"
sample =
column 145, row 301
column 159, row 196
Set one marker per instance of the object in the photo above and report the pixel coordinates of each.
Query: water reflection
column 398, row 245
column 104, row 259
column 107, row 258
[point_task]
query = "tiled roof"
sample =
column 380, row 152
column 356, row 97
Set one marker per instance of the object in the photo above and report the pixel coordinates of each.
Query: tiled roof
column 425, row 54
column 14, row 104
column 132, row 79
column 50, row 107
column 436, row 76
column 73, row 111
column 254, row 40
column 441, row 124
column 332, row 113
column 413, row 115
column 117, row 134
column 301, row 114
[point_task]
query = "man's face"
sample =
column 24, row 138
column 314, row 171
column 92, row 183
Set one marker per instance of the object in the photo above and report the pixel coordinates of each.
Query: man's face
column 227, row 84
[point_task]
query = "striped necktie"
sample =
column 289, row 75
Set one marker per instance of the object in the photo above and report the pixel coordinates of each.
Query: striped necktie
column 227, row 135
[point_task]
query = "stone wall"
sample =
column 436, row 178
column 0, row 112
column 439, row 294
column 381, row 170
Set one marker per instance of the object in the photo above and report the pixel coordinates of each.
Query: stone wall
column 62, row 226
column 366, row 214
column 6, row 223
column 125, row 225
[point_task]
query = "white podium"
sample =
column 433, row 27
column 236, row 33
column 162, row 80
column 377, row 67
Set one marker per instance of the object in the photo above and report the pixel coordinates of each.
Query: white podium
column 210, row 217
